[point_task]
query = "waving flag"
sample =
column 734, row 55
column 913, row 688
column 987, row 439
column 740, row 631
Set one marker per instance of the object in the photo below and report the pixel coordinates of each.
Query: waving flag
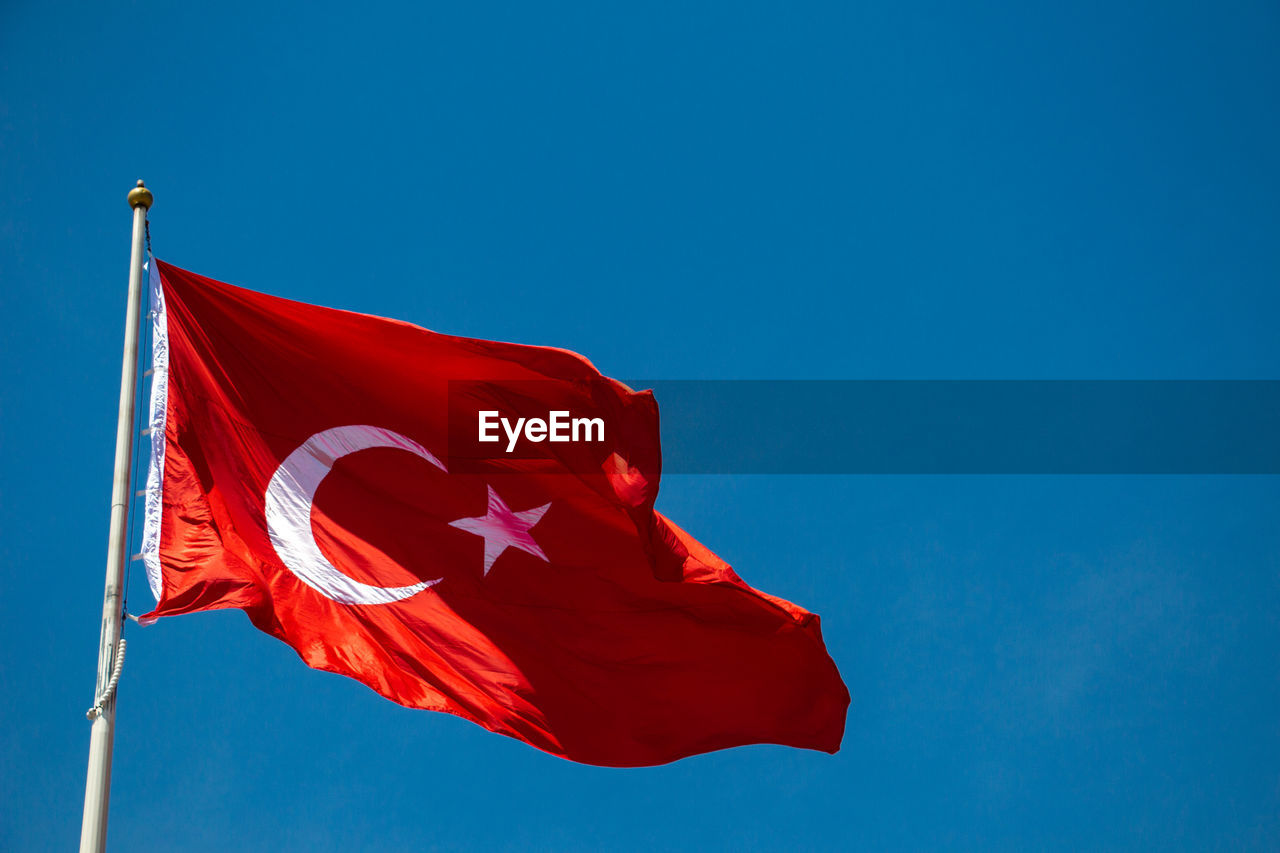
column 462, row 525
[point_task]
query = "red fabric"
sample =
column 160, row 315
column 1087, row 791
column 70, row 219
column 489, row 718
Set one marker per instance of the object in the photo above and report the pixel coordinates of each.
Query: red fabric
column 631, row 644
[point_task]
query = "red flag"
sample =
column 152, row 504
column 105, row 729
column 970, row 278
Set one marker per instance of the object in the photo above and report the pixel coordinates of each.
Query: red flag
column 329, row 473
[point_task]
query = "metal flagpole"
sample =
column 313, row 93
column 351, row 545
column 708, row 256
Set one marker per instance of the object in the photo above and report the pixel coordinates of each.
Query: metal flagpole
column 97, row 789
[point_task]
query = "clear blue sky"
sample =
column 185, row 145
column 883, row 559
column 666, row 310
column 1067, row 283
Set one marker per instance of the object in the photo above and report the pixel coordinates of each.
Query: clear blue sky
column 684, row 190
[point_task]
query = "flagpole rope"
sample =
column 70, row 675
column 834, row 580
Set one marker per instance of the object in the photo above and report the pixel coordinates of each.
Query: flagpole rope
column 110, row 690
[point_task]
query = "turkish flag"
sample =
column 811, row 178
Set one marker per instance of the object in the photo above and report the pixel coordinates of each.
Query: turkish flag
column 325, row 472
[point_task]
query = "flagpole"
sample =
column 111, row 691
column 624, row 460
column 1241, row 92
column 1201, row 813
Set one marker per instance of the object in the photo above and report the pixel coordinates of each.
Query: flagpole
column 97, row 789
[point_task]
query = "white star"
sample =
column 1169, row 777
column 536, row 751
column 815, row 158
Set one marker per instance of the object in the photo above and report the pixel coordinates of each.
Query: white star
column 501, row 529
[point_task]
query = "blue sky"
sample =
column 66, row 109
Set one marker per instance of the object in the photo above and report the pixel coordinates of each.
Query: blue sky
column 682, row 191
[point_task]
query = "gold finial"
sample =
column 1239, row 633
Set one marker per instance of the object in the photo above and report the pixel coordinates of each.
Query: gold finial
column 140, row 196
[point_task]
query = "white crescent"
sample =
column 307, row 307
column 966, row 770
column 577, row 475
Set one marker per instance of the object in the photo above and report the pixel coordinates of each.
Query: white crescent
column 288, row 508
